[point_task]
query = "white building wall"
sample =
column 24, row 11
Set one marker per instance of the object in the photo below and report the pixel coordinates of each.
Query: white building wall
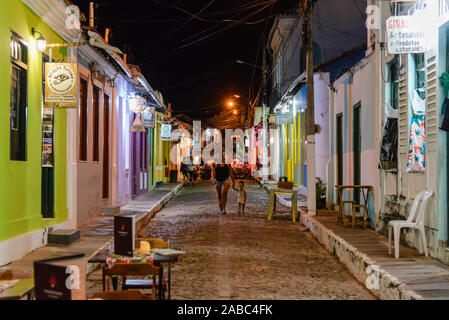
column 321, row 95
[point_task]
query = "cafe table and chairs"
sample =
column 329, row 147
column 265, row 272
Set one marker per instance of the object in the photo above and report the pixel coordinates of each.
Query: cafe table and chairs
column 106, row 256
column 133, row 269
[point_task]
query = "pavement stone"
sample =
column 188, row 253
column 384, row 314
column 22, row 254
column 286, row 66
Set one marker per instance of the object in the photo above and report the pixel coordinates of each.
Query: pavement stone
column 244, row 256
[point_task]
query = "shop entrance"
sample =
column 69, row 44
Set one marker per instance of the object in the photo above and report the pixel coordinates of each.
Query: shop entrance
column 339, row 150
column 139, row 163
column 48, row 163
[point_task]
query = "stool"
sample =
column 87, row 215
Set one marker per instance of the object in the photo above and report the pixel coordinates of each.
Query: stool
column 365, row 214
column 343, row 218
column 272, row 207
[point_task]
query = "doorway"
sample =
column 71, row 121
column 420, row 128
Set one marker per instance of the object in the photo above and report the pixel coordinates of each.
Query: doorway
column 48, row 163
column 139, row 162
column 106, row 147
column 339, row 135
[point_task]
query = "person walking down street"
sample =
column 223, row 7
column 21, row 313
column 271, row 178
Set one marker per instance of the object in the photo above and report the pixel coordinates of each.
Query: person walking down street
column 222, row 177
column 241, row 199
column 185, row 172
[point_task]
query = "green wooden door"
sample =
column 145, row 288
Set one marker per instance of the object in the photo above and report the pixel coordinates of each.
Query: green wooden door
column 150, row 158
column 357, row 146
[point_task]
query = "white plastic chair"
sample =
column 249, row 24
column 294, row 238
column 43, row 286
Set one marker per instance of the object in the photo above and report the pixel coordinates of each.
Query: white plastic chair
column 415, row 220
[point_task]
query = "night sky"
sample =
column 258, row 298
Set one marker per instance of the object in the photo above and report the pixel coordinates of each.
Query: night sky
column 190, row 59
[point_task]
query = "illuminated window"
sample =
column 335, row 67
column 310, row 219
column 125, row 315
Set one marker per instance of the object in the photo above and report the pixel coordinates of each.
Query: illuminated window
column 18, row 99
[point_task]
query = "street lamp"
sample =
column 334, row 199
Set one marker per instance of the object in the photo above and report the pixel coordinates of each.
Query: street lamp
column 249, row 64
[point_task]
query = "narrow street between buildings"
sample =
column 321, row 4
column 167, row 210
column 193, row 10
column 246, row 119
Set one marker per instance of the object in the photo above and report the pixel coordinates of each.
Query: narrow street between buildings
column 244, row 256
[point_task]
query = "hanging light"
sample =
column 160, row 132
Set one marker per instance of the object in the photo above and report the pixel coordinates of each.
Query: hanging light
column 41, row 42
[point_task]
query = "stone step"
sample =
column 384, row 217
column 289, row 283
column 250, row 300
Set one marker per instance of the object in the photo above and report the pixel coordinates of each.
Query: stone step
column 111, row 211
column 63, row 236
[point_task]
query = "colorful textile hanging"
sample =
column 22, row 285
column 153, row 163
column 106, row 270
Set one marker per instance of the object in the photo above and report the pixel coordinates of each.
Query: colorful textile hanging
column 389, row 146
column 417, row 142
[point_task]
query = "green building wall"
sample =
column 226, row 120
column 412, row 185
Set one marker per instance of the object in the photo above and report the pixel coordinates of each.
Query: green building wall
column 20, row 181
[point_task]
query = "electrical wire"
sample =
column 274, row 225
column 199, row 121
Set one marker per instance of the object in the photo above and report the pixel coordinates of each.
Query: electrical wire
column 211, row 35
column 362, row 14
column 227, row 26
column 258, row 54
column 184, row 24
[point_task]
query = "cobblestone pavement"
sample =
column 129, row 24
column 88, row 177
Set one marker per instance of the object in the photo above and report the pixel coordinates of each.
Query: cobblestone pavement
column 245, row 256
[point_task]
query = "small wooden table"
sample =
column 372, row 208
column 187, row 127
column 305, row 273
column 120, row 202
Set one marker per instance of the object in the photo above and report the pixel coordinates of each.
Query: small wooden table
column 24, row 287
column 365, row 193
column 158, row 260
column 276, row 191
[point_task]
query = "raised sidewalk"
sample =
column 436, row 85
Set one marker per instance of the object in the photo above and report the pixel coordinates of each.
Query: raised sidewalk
column 98, row 233
column 365, row 253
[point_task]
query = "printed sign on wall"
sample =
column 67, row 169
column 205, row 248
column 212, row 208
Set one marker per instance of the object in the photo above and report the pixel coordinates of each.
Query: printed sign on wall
column 406, row 35
column 61, row 89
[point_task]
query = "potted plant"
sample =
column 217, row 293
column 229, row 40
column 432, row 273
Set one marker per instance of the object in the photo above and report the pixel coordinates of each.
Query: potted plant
column 320, row 188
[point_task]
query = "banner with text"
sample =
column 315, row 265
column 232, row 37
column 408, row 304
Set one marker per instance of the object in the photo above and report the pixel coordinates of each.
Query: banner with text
column 406, row 35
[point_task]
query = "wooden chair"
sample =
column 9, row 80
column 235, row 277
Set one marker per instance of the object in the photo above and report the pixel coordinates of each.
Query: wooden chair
column 137, row 269
column 155, row 243
column 121, row 295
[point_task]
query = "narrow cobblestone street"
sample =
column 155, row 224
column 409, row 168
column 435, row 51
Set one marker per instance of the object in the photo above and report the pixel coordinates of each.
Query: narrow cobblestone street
column 244, row 256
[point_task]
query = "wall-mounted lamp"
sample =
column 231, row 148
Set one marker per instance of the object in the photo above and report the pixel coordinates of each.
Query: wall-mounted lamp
column 41, row 42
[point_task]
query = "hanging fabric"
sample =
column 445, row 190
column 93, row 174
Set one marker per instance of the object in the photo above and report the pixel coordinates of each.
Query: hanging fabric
column 444, row 81
column 417, row 142
column 389, row 146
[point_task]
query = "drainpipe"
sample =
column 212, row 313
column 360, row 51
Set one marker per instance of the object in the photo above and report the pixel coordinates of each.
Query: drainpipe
column 380, row 109
column 330, row 163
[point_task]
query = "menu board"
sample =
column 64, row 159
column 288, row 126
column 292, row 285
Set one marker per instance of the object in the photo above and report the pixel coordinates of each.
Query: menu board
column 124, row 234
column 61, row 278
column 48, row 137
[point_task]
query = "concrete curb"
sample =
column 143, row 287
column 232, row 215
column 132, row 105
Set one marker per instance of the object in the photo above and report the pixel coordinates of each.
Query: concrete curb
column 377, row 280
column 143, row 220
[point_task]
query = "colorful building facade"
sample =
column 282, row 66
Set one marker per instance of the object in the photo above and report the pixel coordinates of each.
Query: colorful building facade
column 23, row 222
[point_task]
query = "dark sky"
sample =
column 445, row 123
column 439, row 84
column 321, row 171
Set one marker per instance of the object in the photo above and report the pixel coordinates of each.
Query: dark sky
column 191, row 60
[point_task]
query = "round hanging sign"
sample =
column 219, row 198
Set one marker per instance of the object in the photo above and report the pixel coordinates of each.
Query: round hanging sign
column 61, row 79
